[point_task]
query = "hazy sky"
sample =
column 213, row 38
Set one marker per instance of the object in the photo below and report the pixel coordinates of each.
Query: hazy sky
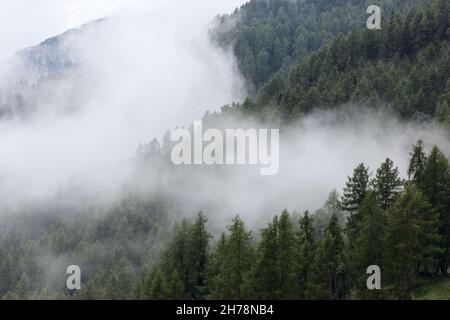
column 25, row 23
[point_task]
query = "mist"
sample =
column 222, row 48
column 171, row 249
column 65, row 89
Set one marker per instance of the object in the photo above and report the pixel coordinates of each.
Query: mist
column 152, row 67
column 317, row 155
column 146, row 68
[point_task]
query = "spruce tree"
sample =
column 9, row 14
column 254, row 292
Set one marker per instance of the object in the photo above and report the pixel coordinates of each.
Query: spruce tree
column 287, row 263
column 306, row 254
column 436, row 187
column 370, row 244
column 412, row 240
column 159, row 289
column 387, row 184
column 354, row 194
column 417, row 163
column 329, row 266
column 214, row 271
column 332, row 206
column 235, row 257
column 275, row 271
column 198, row 244
column 265, row 274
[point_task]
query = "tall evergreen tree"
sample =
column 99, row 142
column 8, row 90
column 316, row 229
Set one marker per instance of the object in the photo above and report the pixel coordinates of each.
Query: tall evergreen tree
column 214, row 271
column 306, row 254
column 276, row 268
column 332, row 206
column 265, row 274
column 436, row 187
column 236, row 255
column 412, row 240
column 370, row 244
column 354, row 194
column 197, row 256
column 387, row 184
column 329, row 277
column 417, row 163
column 286, row 257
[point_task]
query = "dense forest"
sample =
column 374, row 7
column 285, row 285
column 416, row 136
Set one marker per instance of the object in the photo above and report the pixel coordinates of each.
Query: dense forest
column 404, row 66
column 401, row 226
column 297, row 57
column 267, row 37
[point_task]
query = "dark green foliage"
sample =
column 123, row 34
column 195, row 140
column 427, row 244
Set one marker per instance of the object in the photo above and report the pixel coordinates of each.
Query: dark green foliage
column 369, row 244
column 185, row 260
column 274, row 275
column 387, row 184
column 417, row 163
column 233, row 260
column 354, row 194
column 435, row 185
column 404, row 66
column 330, row 274
column 268, row 36
column 306, row 253
column 412, row 240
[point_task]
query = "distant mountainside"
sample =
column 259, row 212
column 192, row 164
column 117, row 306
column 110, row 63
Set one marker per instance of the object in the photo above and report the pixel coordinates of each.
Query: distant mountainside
column 27, row 76
column 52, row 57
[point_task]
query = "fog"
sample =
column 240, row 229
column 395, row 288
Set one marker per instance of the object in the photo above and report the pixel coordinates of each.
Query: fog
column 147, row 68
column 150, row 67
column 316, row 156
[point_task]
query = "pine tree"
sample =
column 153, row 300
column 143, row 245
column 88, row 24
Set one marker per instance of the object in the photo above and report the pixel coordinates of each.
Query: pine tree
column 412, row 240
column 286, row 257
column 175, row 261
column 234, row 256
column 198, row 244
column 436, row 187
column 332, row 206
column 387, row 184
column 159, row 289
column 329, row 277
column 306, row 254
column 265, row 274
column 215, row 267
column 417, row 163
column 275, row 271
column 354, row 194
column 435, row 179
column 370, row 244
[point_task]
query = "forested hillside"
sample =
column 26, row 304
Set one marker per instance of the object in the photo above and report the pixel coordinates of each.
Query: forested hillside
column 401, row 226
column 404, row 66
column 299, row 57
column 267, row 37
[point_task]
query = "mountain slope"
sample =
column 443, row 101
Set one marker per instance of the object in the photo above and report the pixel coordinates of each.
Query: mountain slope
column 405, row 66
column 268, row 36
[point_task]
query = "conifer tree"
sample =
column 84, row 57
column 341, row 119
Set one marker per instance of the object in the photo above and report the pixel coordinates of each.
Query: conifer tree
column 417, row 163
column 159, row 289
column 370, row 244
column 412, row 240
column 265, row 274
column 276, row 268
column 354, row 194
column 235, row 256
column 436, row 187
column 387, row 184
column 198, row 244
column 306, row 254
column 287, row 264
column 329, row 277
